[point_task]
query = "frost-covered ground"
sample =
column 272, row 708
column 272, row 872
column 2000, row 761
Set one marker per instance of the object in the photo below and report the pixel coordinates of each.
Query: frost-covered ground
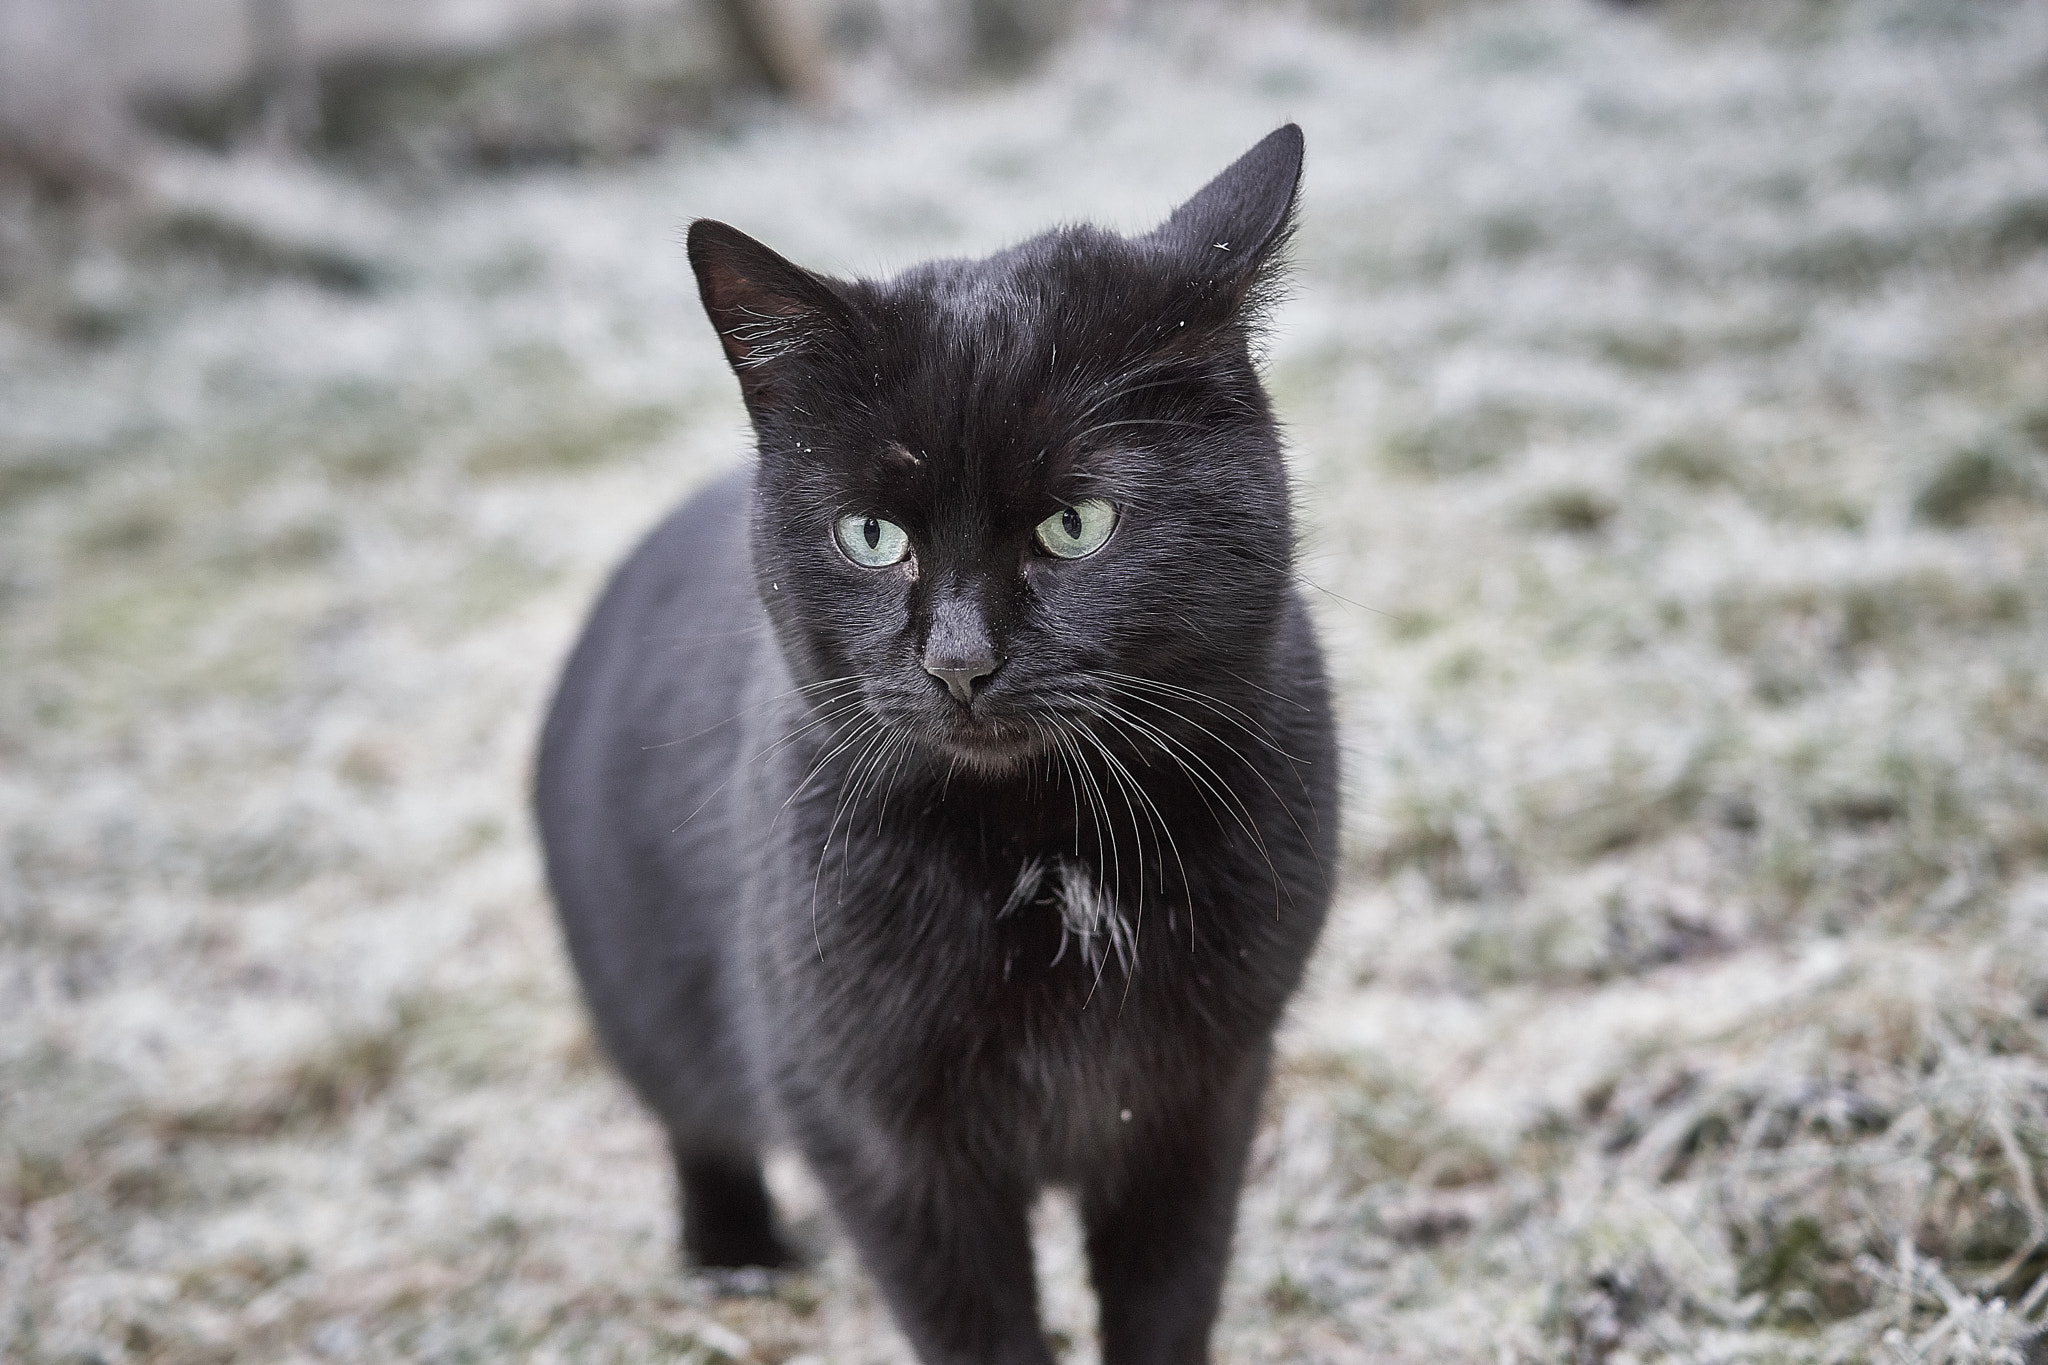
column 1669, row 399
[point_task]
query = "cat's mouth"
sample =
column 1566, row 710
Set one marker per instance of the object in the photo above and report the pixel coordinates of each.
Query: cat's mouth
column 990, row 743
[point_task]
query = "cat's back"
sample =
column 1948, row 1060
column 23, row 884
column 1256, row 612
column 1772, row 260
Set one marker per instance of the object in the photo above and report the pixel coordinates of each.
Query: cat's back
column 643, row 727
column 669, row 642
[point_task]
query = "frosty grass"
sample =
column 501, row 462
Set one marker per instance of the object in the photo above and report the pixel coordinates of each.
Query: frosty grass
column 1668, row 396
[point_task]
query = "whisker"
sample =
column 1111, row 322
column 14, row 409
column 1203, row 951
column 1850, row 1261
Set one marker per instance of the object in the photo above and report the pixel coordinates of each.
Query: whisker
column 832, row 713
column 1116, row 876
column 851, row 680
column 900, row 747
column 1160, row 825
column 1284, row 701
column 852, row 791
column 1237, row 715
column 869, row 728
column 1127, row 952
column 861, row 729
column 1231, row 749
column 1287, row 567
column 1235, row 804
column 1082, row 784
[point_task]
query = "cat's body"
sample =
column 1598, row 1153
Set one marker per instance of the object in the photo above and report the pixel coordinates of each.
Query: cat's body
column 992, row 865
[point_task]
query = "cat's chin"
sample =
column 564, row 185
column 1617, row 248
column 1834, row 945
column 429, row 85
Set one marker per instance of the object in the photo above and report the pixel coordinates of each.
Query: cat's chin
column 993, row 751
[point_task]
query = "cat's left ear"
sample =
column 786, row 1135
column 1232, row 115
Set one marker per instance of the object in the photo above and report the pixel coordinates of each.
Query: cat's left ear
column 1234, row 228
column 767, row 310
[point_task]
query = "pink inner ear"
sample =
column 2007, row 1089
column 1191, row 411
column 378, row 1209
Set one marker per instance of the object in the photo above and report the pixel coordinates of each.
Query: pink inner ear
column 754, row 324
column 756, row 300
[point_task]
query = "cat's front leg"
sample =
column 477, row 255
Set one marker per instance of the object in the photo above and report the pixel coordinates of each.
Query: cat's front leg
column 950, row 1247
column 1159, row 1219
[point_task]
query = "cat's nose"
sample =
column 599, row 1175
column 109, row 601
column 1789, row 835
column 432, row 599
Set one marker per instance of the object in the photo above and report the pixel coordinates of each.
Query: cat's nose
column 960, row 675
column 958, row 648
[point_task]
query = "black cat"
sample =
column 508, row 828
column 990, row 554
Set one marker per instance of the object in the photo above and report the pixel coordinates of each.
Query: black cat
column 953, row 794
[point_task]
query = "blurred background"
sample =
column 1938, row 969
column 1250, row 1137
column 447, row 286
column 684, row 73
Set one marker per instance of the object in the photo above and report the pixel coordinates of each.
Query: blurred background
column 1667, row 391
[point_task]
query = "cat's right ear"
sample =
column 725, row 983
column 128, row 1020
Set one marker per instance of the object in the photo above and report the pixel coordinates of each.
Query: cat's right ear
column 768, row 311
column 1235, row 230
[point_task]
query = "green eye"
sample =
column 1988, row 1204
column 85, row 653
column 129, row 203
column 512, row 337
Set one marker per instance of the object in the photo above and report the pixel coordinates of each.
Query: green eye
column 1077, row 531
column 869, row 541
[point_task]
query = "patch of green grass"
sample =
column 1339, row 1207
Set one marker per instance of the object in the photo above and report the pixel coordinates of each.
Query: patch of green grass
column 301, row 544
column 1629, row 798
column 137, row 624
column 1571, row 510
column 472, row 1038
column 1646, row 348
column 232, row 1281
column 1844, row 1124
column 2014, row 711
column 1973, row 480
column 1511, row 235
column 1588, row 939
column 1454, row 841
column 25, row 475
column 1698, row 460
column 1844, row 259
column 1889, row 613
column 2033, row 424
column 127, row 531
column 239, row 249
column 1288, row 1296
column 1802, row 1278
column 352, row 1068
column 492, row 581
column 1501, row 948
column 565, row 442
column 57, row 1109
column 269, row 862
column 1387, row 1130
column 2019, row 228
column 1468, row 442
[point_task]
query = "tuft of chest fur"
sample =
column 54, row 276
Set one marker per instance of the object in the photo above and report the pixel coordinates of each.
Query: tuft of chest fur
column 1090, row 918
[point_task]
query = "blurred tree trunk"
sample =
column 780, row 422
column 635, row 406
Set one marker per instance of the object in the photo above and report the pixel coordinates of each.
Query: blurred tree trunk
column 63, row 123
column 780, row 38
column 286, row 83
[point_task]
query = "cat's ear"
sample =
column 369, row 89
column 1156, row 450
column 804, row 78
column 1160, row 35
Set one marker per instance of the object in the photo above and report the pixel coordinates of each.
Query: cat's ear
column 767, row 310
column 1235, row 226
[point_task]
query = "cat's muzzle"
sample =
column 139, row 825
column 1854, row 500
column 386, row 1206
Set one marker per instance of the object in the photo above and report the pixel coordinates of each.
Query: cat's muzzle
column 989, row 743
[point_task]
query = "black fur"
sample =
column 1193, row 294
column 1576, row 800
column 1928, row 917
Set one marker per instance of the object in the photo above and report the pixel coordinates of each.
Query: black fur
column 957, row 951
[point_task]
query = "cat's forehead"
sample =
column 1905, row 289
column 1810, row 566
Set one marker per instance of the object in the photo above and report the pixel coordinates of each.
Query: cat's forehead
column 1071, row 283
column 1006, row 356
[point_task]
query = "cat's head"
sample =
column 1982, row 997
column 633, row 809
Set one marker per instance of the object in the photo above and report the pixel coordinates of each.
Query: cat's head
column 992, row 493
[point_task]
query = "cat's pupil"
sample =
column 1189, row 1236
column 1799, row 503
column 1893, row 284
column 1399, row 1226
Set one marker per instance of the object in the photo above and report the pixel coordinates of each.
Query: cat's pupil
column 1070, row 522
column 871, row 532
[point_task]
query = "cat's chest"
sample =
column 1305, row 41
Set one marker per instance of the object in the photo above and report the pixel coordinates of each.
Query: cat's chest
column 993, row 942
column 950, row 957
column 1038, row 931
